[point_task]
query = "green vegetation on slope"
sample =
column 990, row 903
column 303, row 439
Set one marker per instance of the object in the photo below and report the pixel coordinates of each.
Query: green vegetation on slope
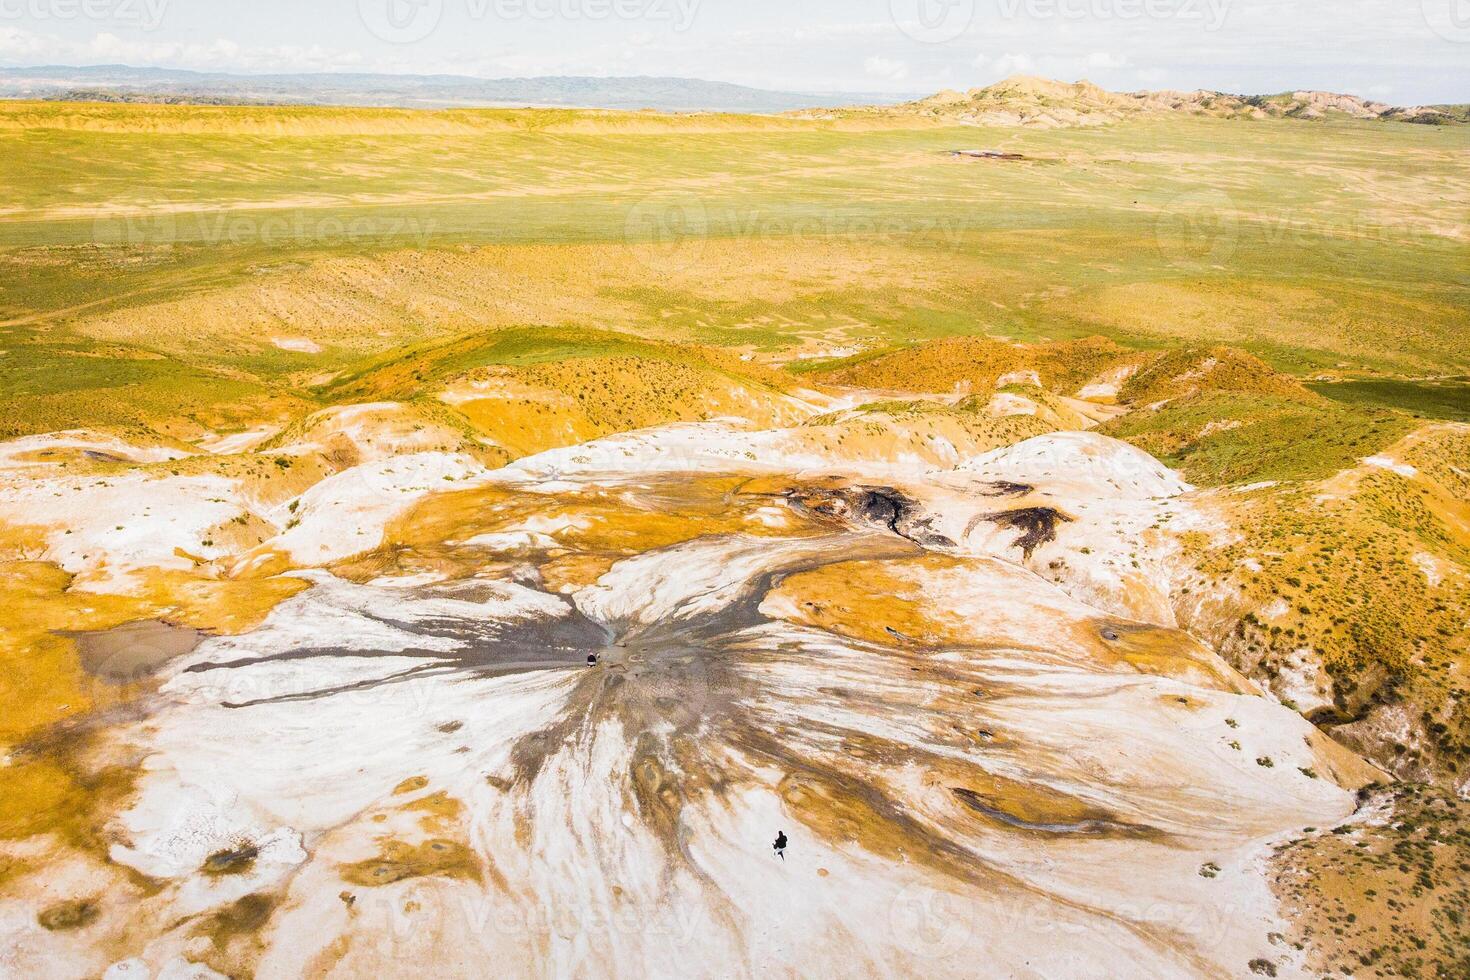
column 1229, row 437
column 1384, row 895
column 1426, row 399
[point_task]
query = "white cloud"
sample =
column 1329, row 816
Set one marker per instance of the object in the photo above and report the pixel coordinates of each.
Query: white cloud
column 1008, row 64
column 1060, row 65
column 889, row 69
column 18, row 44
column 27, row 47
column 1104, row 60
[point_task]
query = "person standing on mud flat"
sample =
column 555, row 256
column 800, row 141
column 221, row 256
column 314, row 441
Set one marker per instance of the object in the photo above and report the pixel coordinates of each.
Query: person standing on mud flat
column 780, row 845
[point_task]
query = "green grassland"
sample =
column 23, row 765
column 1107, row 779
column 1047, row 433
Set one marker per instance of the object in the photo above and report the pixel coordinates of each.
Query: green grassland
column 146, row 252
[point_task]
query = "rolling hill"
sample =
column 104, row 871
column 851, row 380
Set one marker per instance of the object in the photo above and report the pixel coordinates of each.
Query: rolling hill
column 1024, row 100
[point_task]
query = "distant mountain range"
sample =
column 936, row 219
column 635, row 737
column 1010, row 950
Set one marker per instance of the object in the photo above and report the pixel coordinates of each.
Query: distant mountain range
column 1018, row 101
column 1027, row 101
column 120, row 83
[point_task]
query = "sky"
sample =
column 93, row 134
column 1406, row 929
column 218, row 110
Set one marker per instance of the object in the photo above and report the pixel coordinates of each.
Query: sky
column 1402, row 51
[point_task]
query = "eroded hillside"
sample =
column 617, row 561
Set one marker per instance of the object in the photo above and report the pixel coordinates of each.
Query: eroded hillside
column 1029, row 101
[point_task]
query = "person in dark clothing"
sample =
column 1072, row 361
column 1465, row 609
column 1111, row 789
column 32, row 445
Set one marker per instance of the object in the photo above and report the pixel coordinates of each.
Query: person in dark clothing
column 780, row 845
column 591, row 660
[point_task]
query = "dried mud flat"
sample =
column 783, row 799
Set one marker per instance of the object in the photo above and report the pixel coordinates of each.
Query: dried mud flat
column 409, row 765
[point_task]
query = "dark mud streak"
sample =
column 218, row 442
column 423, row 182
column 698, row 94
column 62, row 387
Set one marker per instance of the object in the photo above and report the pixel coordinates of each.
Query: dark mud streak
column 234, row 861
column 488, row 650
column 1037, row 525
column 319, row 653
column 412, row 673
column 1098, row 827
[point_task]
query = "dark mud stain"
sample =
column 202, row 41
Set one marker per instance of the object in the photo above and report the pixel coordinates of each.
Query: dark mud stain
column 237, row 861
column 1037, row 525
column 413, row 673
column 999, row 155
column 241, row 919
column 876, row 508
column 1003, row 488
column 67, row 916
column 680, row 678
column 131, row 652
column 400, row 861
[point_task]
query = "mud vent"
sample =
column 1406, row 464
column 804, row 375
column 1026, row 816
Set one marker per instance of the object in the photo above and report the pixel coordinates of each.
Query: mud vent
column 879, row 508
